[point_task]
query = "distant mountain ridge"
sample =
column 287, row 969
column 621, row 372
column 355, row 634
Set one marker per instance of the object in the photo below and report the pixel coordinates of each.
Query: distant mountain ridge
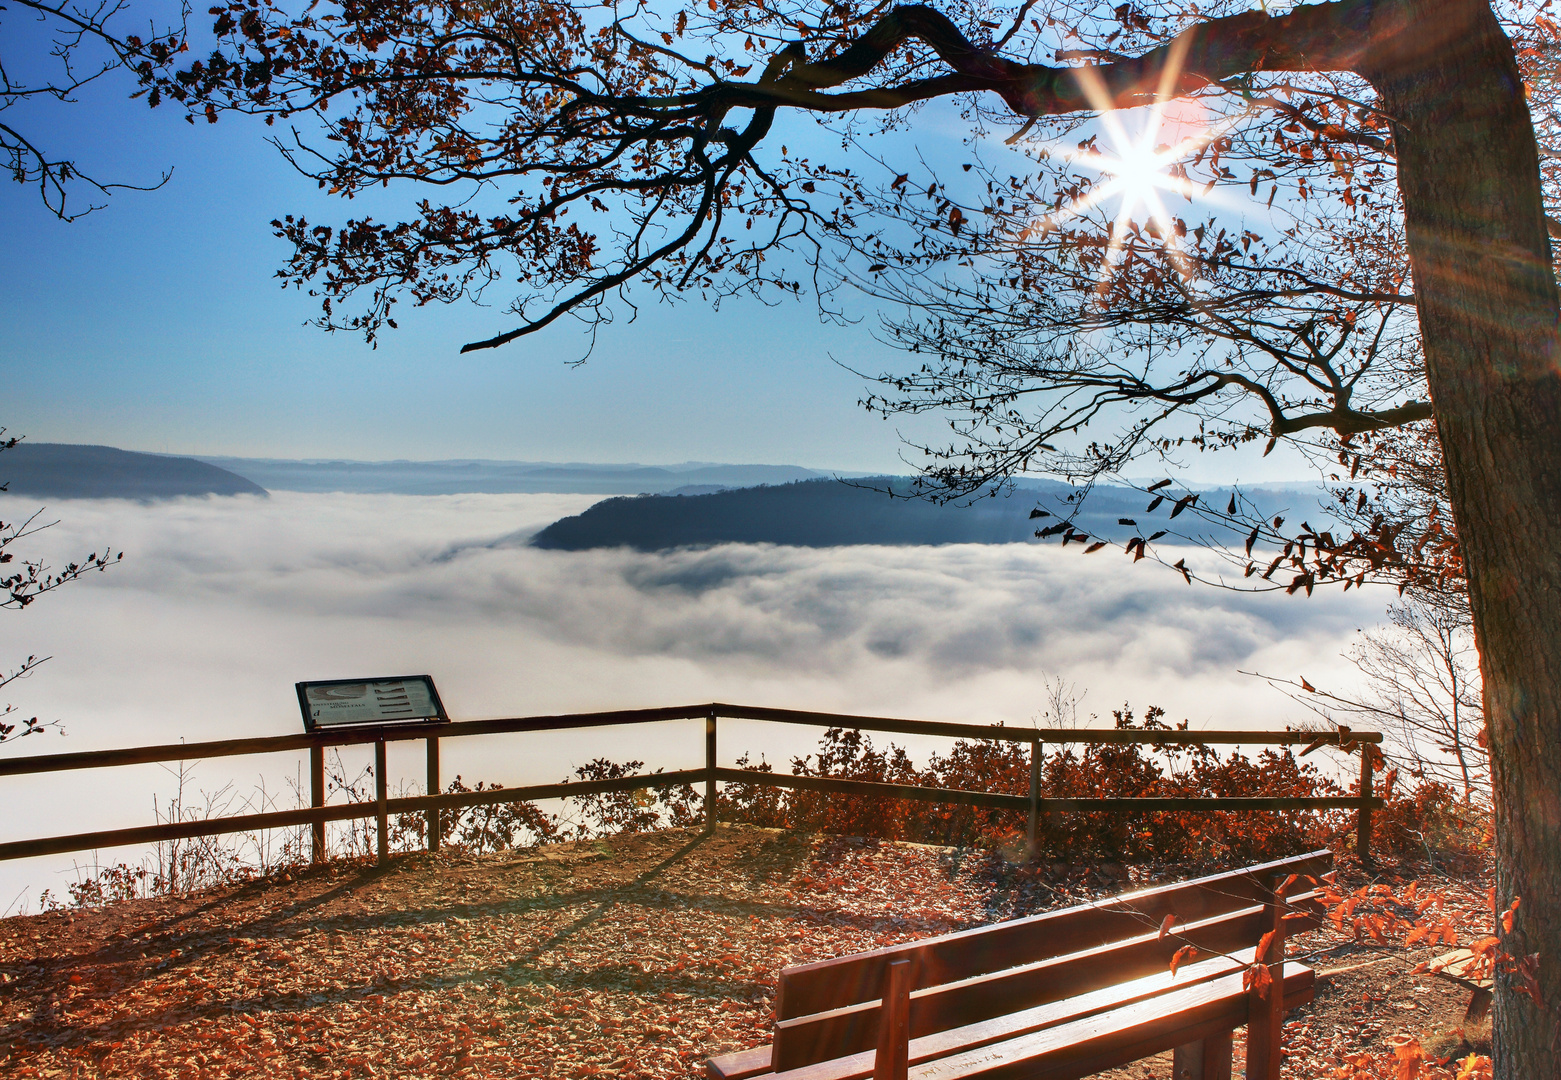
column 831, row 513
column 479, row 476
column 71, row 471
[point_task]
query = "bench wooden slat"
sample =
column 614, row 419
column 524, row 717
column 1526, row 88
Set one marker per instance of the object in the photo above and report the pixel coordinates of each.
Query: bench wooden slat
column 817, row 1037
column 850, row 980
column 1074, row 1047
column 739, row 1065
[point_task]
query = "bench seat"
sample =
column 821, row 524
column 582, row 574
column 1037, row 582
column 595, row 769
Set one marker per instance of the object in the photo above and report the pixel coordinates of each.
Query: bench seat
column 1060, row 994
column 1073, row 1037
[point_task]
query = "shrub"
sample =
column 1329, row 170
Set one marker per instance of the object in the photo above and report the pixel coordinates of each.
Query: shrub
column 1097, row 770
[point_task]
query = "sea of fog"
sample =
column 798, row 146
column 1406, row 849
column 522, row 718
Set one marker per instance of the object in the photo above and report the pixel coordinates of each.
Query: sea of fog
column 221, row 604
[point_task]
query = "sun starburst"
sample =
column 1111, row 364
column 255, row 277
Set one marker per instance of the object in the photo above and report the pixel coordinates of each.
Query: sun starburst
column 1139, row 167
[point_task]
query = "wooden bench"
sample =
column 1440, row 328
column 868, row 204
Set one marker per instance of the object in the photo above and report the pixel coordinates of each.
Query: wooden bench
column 1059, row 995
column 1463, row 967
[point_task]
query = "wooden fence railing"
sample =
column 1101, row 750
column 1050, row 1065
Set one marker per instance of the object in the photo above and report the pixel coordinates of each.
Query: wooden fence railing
column 318, row 813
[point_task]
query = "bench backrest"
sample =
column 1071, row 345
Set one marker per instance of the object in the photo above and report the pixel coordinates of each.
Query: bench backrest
column 831, row 1008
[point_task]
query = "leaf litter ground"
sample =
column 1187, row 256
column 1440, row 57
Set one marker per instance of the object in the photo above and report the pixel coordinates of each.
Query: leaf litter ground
column 634, row 957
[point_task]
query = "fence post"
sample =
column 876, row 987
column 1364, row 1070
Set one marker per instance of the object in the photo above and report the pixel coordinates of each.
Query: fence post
column 381, row 793
column 892, row 1056
column 1363, row 826
column 1037, row 759
column 317, row 799
column 710, row 772
column 433, row 789
column 1266, row 1005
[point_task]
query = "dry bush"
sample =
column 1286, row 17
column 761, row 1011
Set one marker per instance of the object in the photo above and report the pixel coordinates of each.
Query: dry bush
column 1412, row 824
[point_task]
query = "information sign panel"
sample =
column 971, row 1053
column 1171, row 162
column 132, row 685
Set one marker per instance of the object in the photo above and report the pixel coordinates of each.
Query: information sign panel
column 409, row 699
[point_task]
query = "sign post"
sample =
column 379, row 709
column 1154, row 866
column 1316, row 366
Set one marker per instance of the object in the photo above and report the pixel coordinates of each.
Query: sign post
column 395, row 702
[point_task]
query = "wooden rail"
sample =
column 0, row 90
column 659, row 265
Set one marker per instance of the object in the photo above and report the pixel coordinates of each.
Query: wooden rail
column 432, row 805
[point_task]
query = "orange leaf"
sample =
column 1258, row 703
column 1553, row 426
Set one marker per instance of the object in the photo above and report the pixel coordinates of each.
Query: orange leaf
column 1474, row 1067
column 1506, row 919
column 1165, row 925
column 1410, row 1058
column 1181, row 956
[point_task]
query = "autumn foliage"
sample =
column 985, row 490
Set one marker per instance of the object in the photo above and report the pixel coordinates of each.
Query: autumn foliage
column 1408, row 1061
column 1425, row 820
column 1096, row 771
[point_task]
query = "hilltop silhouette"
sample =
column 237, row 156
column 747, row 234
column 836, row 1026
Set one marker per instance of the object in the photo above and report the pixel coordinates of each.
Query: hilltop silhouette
column 873, row 510
column 69, row 471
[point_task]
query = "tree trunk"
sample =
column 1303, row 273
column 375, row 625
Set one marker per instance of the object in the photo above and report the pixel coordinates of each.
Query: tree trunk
column 1469, row 174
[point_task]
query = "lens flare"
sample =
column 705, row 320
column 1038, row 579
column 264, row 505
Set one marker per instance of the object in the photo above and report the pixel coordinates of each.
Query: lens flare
column 1137, row 168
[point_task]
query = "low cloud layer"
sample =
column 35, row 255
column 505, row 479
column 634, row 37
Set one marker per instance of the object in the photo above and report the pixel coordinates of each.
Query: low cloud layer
column 222, row 604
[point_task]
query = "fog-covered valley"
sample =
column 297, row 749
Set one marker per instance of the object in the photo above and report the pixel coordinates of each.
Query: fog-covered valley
column 222, row 603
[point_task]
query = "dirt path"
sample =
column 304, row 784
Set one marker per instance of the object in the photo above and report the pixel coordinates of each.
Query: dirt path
column 637, row 957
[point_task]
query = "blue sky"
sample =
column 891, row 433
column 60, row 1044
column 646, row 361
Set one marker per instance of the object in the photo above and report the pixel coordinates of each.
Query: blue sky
column 156, row 324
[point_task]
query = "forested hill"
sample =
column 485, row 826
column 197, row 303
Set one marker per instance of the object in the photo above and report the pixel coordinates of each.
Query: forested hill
column 829, row 513
column 67, row 471
column 816, row 513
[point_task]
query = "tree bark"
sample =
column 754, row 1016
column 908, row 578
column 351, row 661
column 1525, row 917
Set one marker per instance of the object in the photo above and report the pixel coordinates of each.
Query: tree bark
column 1488, row 307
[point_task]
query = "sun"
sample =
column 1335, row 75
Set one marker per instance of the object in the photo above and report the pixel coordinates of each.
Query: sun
column 1138, row 171
column 1138, row 167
